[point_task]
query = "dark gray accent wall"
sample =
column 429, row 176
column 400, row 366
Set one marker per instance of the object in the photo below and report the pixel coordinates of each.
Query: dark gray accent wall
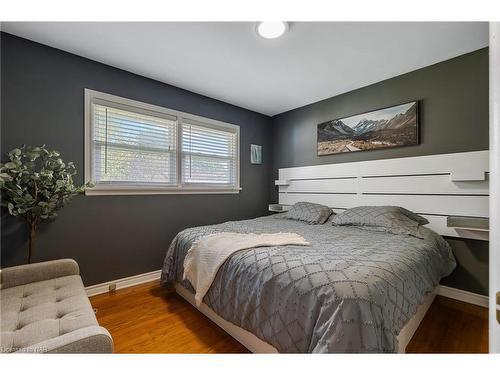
column 472, row 272
column 453, row 100
column 111, row 236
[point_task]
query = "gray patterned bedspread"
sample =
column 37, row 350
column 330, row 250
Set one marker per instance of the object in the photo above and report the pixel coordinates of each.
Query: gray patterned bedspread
column 352, row 290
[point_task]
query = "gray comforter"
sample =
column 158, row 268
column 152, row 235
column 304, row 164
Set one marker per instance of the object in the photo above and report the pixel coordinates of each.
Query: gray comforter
column 352, row 290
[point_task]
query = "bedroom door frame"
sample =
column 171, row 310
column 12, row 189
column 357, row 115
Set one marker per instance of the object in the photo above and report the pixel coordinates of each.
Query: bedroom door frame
column 494, row 313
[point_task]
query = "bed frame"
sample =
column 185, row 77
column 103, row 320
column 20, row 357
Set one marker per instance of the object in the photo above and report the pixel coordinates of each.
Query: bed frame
column 435, row 186
column 256, row 345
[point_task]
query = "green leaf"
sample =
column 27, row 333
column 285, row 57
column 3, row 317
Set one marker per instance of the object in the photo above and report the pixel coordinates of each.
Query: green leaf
column 36, row 182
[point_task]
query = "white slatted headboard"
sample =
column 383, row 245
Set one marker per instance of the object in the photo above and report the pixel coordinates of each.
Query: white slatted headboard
column 435, row 186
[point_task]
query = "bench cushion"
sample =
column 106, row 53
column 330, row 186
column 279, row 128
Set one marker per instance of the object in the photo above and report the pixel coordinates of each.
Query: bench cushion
column 43, row 310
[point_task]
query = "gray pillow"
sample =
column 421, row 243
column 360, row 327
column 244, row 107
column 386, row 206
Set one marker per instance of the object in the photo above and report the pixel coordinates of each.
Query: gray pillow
column 412, row 215
column 311, row 213
column 407, row 230
column 396, row 220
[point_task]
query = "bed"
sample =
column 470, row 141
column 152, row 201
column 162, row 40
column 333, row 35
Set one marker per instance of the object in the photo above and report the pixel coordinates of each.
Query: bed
column 354, row 289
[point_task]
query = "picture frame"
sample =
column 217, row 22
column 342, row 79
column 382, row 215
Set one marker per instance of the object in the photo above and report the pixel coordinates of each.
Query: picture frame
column 255, row 154
column 387, row 127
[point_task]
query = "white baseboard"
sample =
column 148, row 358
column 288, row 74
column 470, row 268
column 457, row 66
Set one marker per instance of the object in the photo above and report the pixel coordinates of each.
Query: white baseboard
column 462, row 295
column 445, row 291
column 94, row 290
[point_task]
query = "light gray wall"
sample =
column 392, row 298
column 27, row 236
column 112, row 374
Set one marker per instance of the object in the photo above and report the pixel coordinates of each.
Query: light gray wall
column 453, row 100
column 111, row 236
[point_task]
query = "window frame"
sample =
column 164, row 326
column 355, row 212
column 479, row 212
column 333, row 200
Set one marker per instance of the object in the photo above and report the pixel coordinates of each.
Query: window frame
column 153, row 188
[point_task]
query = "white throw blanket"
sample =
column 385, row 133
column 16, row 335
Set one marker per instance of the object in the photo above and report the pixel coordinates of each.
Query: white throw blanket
column 206, row 255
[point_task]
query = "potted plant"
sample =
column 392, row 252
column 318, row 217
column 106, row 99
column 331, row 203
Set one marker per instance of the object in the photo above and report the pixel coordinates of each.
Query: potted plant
column 35, row 184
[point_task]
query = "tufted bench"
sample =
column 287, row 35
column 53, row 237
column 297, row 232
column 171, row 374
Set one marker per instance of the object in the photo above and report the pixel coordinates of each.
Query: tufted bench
column 44, row 309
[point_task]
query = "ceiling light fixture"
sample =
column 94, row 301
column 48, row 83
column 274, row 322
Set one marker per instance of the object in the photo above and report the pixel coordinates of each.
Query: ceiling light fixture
column 271, row 30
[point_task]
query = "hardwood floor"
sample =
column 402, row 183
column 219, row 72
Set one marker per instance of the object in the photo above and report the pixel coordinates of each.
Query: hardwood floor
column 149, row 319
column 451, row 326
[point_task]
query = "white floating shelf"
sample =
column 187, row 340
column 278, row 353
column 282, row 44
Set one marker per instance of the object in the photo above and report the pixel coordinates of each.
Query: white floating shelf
column 278, row 207
column 468, row 223
column 282, row 182
column 468, row 175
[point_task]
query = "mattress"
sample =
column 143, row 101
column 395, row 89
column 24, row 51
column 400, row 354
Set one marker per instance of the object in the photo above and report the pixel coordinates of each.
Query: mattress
column 352, row 290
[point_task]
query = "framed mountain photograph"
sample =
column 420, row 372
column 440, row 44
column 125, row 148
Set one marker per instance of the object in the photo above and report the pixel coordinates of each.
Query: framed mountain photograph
column 383, row 128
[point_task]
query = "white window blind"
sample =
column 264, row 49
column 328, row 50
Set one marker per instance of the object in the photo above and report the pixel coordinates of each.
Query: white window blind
column 132, row 147
column 209, row 154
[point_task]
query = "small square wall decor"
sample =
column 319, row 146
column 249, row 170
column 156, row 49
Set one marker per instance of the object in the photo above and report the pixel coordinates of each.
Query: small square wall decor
column 255, row 154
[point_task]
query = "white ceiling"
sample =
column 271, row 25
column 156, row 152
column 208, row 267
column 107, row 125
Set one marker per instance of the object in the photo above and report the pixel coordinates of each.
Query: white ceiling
column 229, row 62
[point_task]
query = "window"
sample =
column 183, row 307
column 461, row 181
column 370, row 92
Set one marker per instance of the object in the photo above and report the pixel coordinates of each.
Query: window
column 137, row 148
column 208, row 154
column 133, row 148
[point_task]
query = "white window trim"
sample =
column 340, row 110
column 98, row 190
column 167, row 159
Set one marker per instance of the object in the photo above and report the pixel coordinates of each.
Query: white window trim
column 147, row 189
